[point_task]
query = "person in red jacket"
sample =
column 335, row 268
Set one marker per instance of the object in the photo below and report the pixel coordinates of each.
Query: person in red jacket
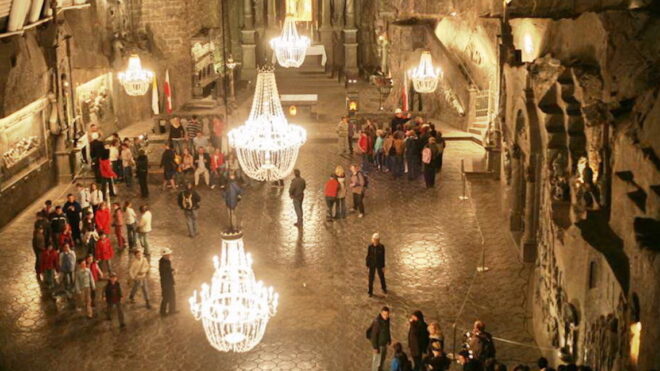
column 331, row 191
column 49, row 261
column 366, row 146
column 107, row 174
column 66, row 237
column 102, row 218
column 104, row 252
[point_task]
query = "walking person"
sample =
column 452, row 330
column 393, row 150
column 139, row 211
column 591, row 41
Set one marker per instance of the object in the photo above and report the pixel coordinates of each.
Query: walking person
column 379, row 335
column 189, row 202
column 49, row 264
column 168, row 302
column 38, row 247
column 418, row 338
column 375, row 262
column 142, row 171
column 137, row 273
column 232, row 195
column 169, row 165
column 342, row 136
column 90, row 236
column 103, row 252
column 330, row 190
column 340, row 212
column 297, row 194
column 67, row 266
column 144, row 228
column 113, row 298
column 102, row 218
column 118, row 224
column 202, row 166
column 358, row 189
column 97, row 275
column 85, row 285
column 130, row 220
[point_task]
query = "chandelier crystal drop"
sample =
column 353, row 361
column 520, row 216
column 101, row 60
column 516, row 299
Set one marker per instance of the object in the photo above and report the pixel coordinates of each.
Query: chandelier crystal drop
column 266, row 145
column 235, row 308
column 136, row 81
column 290, row 48
column 425, row 77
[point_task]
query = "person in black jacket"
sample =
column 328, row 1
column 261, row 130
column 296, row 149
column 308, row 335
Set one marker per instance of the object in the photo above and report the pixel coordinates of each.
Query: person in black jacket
column 57, row 225
column 376, row 262
column 379, row 335
column 169, row 165
column 96, row 150
column 167, row 284
column 418, row 337
column 72, row 210
column 189, row 202
column 142, row 170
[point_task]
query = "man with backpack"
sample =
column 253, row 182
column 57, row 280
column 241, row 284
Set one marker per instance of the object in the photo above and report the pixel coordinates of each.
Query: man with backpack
column 379, row 336
column 359, row 184
column 481, row 342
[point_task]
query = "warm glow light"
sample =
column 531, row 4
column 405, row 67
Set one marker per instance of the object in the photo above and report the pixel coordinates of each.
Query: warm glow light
column 290, row 48
column 266, row 145
column 425, row 77
column 352, row 106
column 635, row 337
column 236, row 308
column 293, row 110
column 136, row 81
column 528, row 44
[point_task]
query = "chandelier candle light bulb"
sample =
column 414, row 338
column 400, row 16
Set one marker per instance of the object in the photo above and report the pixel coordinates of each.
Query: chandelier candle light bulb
column 135, row 79
column 425, row 77
column 235, row 308
column 290, row 47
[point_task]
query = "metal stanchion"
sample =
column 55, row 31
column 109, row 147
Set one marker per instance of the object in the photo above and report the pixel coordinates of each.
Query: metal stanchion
column 464, row 196
column 483, row 267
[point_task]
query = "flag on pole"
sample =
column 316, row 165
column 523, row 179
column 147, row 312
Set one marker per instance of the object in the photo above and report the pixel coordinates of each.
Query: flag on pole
column 404, row 93
column 168, row 92
column 155, row 104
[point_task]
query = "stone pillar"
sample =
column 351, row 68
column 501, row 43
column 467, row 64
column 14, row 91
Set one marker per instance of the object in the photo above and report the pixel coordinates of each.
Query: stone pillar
column 529, row 242
column 248, row 43
column 259, row 14
column 350, row 41
column 326, row 33
column 516, row 194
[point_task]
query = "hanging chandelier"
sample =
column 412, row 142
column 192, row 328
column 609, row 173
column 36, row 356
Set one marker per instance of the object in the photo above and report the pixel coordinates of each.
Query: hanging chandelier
column 266, row 145
column 425, row 77
column 236, row 308
column 135, row 80
column 290, row 48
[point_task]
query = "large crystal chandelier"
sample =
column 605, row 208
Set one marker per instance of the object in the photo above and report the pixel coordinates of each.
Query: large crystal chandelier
column 266, row 145
column 236, row 308
column 290, row 48
column 135, row 80
column 425, row 77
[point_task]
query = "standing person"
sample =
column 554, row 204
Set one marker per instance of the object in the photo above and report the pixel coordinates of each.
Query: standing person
column 57, row 226
column 118, row 223
column 189, row 202
column 430, row 156
column 169, row 165
column 43, row 223
column 330, row 190
column 84, row 198
column 67, row 265
column 144, row 228
column 103, row 218
column 400, row 361
column 217, row 168
column 66, row 237
column 375, row 261
column 297, row 194
column 97, row 275
column 389, row 152
column 137, row 272
column 351, row 134
column 399, row 119
column 95, row 196
column 104, row 252
column 365, row 148
column 114, row 158
column 177, row 136
column 142, row 170
column 168, row 303
column 193, row 129
column 435, row 334
column 96, row 149
column 412, row 154
column 341, row 193
column 38, row 246
column 436, row 360
column 72, row 210
column 379, row 335
column 85, row 285
column 218, row 129
column 342, row 135
column 90, row 236
column 127, row 164
column 442, row 144
column 481, row 342
column 468, row 363
column 202, row 166
column 108, row 175
column 49, row 261
column 418, row 338
column 232, row 194
column 378, row 150
column 130, row 219
column 113, row 298
column 358, row 188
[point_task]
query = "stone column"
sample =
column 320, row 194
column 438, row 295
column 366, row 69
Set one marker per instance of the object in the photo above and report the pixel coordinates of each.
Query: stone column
column 326, row 32
column 517, row 188
column 529, row 241
column 350, row 41
column 248, row 42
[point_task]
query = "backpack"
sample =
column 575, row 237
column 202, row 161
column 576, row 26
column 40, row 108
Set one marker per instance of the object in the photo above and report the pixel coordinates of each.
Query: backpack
column 427, row 155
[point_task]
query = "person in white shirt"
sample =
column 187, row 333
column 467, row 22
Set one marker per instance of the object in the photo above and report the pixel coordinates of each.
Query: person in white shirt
column 114, row 158
column 144, row 227
column 95, row 196
column 202, row 166
column 130, row 220
column 137, row 272
column 84, row 198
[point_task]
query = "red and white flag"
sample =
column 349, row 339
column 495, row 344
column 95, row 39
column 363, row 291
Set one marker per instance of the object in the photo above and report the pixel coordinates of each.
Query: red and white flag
column 404, row 93
column 168, row 92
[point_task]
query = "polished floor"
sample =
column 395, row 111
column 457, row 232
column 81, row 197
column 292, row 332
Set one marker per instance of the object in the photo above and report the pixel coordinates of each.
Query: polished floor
column 433, row 243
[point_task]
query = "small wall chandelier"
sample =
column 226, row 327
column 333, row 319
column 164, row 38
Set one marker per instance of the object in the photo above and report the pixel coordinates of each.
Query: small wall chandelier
column 135, row 80
column 425, row 77
column 266, row 145
column 290, row 48
column 235, row 309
